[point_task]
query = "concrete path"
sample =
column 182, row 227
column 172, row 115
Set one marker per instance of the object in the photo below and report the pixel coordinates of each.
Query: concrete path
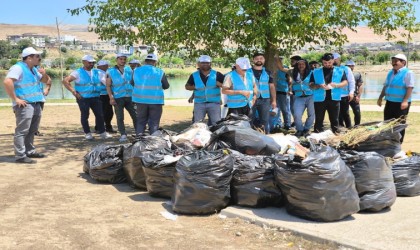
column 395, row 228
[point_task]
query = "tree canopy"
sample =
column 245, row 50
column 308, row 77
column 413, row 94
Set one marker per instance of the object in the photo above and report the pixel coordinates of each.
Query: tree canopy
column 220, row 27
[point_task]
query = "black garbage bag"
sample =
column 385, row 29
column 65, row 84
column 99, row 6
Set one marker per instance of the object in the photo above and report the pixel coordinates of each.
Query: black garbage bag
column 374, row 180
column 233, row 120
column 104, row 164
column 216, row 144
column 406, row 176
column 247, row 140
column 320, row 188
column 253, row 183
column 159, row 167
column 202, row 182
column 132, row 158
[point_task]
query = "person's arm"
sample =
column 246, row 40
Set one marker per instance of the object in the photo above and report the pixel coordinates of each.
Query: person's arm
column 190, row 85
column 10, row 90
column 404, row 103
column 164, row 81
column 379, row 102
column 219, row 79
column 109, row 91
column 48, row 86
column 409, row 82
column 279, row 64
column 67, row 84
column 351, row 83
column 273, row 95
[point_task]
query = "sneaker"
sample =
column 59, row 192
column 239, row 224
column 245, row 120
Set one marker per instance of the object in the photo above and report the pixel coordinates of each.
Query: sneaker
column 306, row 133
column 36, row 155
column 89, row 136
column 25, row 160
column 123, row 138
column 105, row 135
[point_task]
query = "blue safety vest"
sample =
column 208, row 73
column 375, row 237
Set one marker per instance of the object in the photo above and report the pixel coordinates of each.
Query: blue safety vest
column 319, row 94
column 87, row 87
column 282, row 83
column 345, row 90
column 209, row 92
column 28, row 88
column 396, row 90
column 263, row 85
column 121, row 84
column 41, row 85
column 148, row 85
column 102, row 87
column 302, row 88
column 239, row 101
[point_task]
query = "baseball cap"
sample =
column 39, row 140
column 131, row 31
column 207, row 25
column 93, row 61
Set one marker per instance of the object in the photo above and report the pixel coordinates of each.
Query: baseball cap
column 134, row 61
column 88, row 58
column 336, row 55
column 350, row 63
column 102, row 63
column 400, row 56
column 327, row 57
column 152, row 57
column 121, row 55
column 204, row 58
column 30, row 51
column 243, row 63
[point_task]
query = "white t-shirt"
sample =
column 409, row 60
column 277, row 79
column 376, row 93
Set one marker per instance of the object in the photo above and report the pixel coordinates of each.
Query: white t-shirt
column 16, row 72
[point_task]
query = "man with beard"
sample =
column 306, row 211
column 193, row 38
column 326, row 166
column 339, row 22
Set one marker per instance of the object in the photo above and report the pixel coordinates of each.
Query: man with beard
column 266, row 94
column 206, row 84
column 327, row 82
column 397, row 90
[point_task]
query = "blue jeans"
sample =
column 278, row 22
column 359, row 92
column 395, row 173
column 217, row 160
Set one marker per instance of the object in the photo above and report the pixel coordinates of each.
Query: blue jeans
column 302, row 103
column 95, row 104
column 263, row 106
column 124, row 102
column 283, row 104
column 210, row 108
column 27, row 123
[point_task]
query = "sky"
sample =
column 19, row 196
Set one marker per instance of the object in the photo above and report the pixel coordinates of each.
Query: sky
column 21, row 12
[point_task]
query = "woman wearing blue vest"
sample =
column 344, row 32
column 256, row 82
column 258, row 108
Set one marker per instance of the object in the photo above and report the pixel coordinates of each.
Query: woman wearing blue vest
column 303, row 97
column 206, row 83
column 149, row 84
column 327, row 82
column 120, row 90
column 240, row 88
column 87, row 87
column 397, row 90
column 22, row 86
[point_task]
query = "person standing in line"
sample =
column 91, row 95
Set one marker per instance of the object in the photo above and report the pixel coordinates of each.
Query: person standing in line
column 102, row 67
column 397, row 90
column 120, row 89
column 355, row 103
column 266, row 92
column 148, row 94
column 22, row 86
column 347, row 93
column 326, row 83
column 134, row 64
column 45, row 91
column 303, row 97
column 206, row 83
column 240, row 87
column 87, row 91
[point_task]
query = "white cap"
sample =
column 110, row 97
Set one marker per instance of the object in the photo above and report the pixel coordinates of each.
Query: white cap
column 88, row 58
column 121, row 55
column 204, row 58
column 134, row 61
column 152, row 57
column 400, row 56
column 243, row 63
column 350, row 63
column 102, row 63
column 336, row 55
column 30, row 51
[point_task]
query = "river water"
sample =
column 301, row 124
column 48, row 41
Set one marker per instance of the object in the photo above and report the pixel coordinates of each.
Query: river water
column 373, row 83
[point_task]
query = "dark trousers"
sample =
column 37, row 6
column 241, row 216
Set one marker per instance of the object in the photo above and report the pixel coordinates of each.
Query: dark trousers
column 393, row 110
column 95, row 104
column 124, row 103
column 355, row 106
column 246, row 110
column 149, row 114
column 333, row 109
column 108, row 112
column 262, row 105
column 344, row 117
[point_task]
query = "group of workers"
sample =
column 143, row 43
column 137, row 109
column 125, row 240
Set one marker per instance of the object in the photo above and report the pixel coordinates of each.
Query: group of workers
column 247, row 90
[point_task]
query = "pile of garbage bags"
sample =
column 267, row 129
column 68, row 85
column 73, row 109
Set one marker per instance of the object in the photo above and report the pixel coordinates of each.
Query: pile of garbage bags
column 406, row 176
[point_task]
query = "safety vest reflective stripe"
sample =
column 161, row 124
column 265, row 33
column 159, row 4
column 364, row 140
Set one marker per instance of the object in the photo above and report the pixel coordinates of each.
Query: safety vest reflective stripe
column 282, row 84
column 238, row 101
column 121, row 83
column 88, row 86
column 319, row 94
column 27, row 88
column 396, row 90
column 302, row 88
column 209, row 92
column 148, row 85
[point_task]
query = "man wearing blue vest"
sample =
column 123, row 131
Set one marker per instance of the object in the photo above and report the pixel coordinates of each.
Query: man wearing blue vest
column 240, row 88
column 397, row 90
column 149, row 84
column 206, row 83
column 327, row 82
column 86, row 89
column 120, row 90
column 266, row 92
column 102, row 67
column 22, row 86
column 347, row 93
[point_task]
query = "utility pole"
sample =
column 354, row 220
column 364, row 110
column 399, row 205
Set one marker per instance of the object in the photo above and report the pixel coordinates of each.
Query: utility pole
column 61, row 59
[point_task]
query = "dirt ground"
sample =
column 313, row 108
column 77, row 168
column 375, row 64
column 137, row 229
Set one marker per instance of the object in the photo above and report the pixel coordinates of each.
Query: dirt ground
column 54, row 205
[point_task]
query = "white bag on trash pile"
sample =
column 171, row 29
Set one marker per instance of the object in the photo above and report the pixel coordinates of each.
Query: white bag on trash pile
column 323, row 136
column 198, row 135
column 285, row 141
